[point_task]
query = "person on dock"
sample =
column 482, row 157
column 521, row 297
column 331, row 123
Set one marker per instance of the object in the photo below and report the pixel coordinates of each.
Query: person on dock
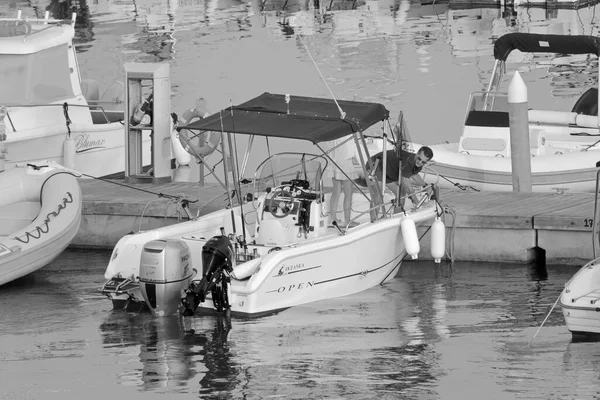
column 342, row 154
column 412, row 165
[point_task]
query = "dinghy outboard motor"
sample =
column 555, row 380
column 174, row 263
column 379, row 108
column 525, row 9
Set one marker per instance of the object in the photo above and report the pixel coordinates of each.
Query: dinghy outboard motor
column 218, row 260
column 165, row 273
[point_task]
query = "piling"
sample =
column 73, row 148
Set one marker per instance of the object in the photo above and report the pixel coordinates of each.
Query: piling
column 519, row 134
column 2, row 138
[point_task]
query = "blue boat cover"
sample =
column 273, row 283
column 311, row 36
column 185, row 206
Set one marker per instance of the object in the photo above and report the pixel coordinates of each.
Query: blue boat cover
column 540, row 43
column 309, row 118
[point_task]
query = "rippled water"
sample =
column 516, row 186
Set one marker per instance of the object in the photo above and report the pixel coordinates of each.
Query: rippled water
column 434, row 332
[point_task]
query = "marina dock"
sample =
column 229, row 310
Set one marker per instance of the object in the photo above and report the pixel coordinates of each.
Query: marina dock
column 481, row 226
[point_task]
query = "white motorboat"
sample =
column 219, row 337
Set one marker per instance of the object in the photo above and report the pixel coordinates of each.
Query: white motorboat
column 563, row 144
column 52, row 115
column 272, row 248
column 580, row 302
column 580, row 298
column 40, row 213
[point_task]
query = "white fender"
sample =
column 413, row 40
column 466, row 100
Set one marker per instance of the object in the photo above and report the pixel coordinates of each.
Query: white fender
column 69, row 153
column 438, row 239
column 410, row 237
column 182, row 157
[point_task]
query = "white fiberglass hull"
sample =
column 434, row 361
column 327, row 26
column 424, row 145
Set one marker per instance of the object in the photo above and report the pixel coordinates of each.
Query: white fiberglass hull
column 580, row 301
column 283, row 276
column 95, row 144
column 329, row 267
column 571, row 171
column 40, row 214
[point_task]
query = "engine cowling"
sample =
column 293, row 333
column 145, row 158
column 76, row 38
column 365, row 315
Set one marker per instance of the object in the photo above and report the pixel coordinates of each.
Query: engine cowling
column 165, row 273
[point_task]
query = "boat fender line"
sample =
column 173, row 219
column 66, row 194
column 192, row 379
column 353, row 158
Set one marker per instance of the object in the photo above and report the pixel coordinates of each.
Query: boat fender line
column 37, row 231
column 210, row 140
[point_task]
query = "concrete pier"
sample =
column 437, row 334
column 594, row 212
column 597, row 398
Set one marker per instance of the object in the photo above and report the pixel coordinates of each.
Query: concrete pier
column 489, row 226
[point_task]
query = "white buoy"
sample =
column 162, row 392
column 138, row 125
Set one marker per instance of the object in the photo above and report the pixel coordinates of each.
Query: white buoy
column 181, row 156
column 69, row 153
column 410, row 237
column 438, row 240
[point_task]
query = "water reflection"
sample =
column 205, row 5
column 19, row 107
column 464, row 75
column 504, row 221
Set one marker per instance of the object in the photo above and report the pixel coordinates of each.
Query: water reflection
column 173, row 352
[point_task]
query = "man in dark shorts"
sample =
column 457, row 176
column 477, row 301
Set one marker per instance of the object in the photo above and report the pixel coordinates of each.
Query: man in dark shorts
column 412, row 165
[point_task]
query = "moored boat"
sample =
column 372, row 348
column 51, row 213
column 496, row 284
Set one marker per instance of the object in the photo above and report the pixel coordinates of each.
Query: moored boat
column 580, row 302
column 40, row 214
column 563, row 144
column 272, row 248
column 52, row 114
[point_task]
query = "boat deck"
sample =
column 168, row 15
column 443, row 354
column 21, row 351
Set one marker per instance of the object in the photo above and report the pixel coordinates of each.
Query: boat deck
column 490, row 226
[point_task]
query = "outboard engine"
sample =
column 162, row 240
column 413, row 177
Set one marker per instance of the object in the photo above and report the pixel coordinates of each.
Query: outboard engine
column 218, row 260
column 165, row 273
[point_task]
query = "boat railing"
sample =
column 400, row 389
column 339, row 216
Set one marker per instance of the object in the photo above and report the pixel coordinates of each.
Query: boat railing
column 91, row 107
column 41, row 21
column 390, row 207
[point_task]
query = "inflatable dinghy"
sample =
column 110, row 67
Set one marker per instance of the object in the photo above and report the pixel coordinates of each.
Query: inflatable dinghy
column 40, row 213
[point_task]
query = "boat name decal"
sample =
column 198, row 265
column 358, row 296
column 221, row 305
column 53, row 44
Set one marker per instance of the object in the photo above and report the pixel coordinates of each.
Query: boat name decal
column 293, row 286
column 44, row 227
column 83, row 143
column 294, row 268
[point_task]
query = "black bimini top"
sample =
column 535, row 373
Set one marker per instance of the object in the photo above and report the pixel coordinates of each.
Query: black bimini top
column 538, row 43
column 309, row 118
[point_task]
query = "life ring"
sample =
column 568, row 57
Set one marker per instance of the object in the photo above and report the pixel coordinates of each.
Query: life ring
column 208, row 141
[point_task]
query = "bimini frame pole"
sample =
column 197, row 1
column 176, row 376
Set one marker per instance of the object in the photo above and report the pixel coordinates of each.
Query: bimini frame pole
column 493, row 84
column 599, row 96
column 384, row 166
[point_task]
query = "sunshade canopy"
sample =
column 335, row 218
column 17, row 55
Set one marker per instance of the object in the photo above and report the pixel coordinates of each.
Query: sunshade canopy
column 309, row 118
column 538, row 43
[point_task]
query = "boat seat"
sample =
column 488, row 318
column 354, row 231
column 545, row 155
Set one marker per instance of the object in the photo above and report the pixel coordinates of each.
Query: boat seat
column 16, row 216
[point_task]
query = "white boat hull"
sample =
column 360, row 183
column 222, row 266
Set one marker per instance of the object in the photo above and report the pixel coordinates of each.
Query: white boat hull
column 580, row 302
column 300, row 272
column 94, row 144
column 333, row 267
column 40, row 214
column 571, row 171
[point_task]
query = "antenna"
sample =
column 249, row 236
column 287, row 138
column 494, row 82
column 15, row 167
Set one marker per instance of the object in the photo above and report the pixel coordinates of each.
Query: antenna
column 342, row 113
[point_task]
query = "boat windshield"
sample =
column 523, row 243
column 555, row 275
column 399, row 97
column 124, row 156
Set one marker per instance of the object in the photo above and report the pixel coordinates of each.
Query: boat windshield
column 39, row 78
column 484, row 101
column 283, row 167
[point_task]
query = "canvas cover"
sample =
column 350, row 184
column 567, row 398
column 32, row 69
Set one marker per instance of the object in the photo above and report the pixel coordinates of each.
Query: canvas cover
column 309, row 118
column 540, row 43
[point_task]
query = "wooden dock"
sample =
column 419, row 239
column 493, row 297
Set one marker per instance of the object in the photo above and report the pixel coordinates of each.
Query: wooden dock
column 486, row 226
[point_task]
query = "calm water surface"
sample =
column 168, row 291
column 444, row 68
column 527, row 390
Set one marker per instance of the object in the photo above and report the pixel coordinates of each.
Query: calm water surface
column 434, row 332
